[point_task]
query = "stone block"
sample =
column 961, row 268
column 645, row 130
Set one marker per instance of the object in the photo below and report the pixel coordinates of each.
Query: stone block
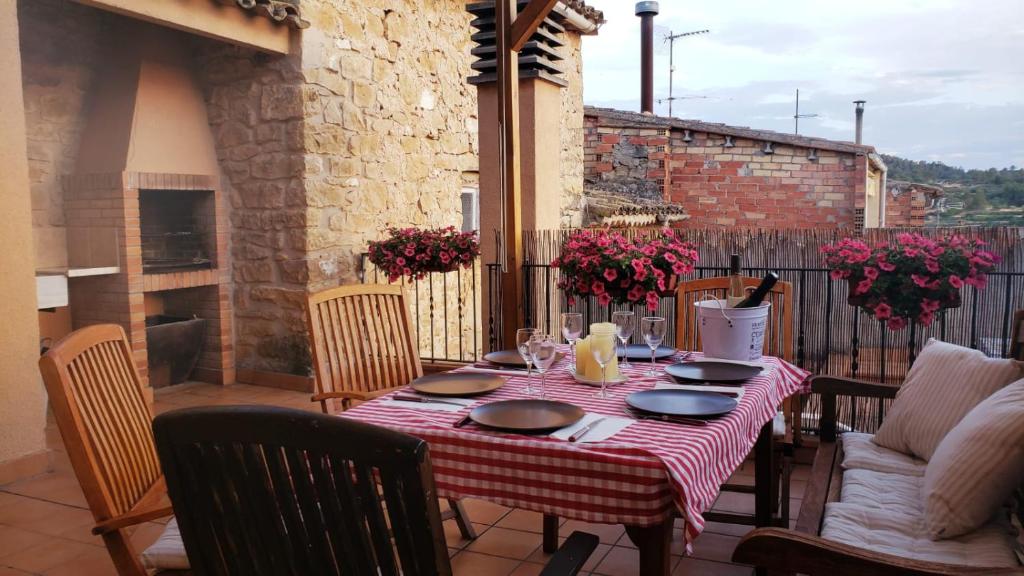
column 279, row 102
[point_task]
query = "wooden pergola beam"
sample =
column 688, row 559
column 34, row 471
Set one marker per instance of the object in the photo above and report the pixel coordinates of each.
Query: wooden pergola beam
column 512, row 31
column 527, row 22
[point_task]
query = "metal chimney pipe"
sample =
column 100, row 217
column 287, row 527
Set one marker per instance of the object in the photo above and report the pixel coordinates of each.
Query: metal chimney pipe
column 860, row 119
column 647, row 11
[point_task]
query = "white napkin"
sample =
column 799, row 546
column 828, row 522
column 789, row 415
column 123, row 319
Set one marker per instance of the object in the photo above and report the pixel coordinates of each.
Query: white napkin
column 738, row 390
column 439, row 406
column 603, row 430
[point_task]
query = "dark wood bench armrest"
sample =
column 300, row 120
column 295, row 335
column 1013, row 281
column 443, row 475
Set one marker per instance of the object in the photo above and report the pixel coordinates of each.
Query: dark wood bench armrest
column 571, row 555
column 851, row 387
column 792, row 551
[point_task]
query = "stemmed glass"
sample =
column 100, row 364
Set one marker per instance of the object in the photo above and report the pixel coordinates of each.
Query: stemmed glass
column 625, row 323
column 523, row 337
column 653, row 329
column 603, row 349
column 572, row 329
column 543, row 352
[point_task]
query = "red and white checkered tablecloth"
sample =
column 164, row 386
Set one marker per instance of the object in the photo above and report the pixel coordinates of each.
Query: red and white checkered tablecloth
column 639, row 476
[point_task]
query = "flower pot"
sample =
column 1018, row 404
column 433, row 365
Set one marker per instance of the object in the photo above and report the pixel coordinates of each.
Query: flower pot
column 671, row 286
column 854, row 299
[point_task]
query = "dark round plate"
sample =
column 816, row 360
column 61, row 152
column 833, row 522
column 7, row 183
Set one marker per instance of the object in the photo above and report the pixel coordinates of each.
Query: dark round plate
column 505, row 358
column 643, row 352
column 527, row 415
column 451, row 384
column 712, row 371
column 681, row 402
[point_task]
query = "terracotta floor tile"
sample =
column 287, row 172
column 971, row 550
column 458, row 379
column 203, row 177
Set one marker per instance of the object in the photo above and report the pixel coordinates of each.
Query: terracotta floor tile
column 58, row 487
column 14, row 540
column 484, row 512
column 608, row 533
column 454, row 537
column 46, row 555
column 699, row 567
column 527, row 569
column 506, row 543
column 44, row 517
column 524, row 520
column 96, row 562
column 621, row 561
column 735, row 502
column 727, row 529
column 5, row 571
column 711, row 546
column 467, row 563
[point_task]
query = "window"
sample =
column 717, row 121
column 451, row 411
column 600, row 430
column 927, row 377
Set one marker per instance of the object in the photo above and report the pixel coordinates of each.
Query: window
column 470, row 209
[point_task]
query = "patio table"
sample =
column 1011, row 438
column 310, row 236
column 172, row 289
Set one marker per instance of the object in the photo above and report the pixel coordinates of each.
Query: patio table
column 641, row 477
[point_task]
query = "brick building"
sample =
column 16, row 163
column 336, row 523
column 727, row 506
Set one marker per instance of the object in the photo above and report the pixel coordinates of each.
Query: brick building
column 735, row 176
column 907, row 204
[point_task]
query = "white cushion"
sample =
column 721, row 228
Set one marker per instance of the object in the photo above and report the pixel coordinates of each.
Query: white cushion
column 977, row 466
column 860, row 452
column 942, row 387
column 168, row 552
column 884, row 512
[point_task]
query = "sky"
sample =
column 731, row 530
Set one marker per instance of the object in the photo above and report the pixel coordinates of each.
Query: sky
column 943, row 79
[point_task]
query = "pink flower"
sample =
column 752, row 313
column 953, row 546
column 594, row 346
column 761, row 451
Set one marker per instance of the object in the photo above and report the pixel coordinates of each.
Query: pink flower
column 610, row 274
column 679, row 268
column 870, row 273
column 886, row 266
column 838, row 274
column 445, row 258
column 883, row 311
column 925, row 318
column 921, row 281
column 597, row 287
column 955, row 282
column 604, row 299
column 652, row 300
column 863, row 287
column 635, row 293
column 896, row 323
column 930, row 306
column 670, row 258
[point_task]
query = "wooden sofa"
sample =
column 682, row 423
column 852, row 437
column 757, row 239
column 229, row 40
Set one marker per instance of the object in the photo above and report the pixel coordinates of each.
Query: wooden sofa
column 803, row 550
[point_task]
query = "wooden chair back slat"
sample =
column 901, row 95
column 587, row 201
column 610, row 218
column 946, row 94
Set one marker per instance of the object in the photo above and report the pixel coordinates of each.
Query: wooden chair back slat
column 265, row 490
column 362, row 339
column 96, row 395
column 1017, row 336
column 778, row 338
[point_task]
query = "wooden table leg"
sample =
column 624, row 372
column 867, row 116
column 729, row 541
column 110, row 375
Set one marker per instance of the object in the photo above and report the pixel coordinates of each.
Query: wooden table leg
column 550, row 540
column 653, row 543
column 764, row 475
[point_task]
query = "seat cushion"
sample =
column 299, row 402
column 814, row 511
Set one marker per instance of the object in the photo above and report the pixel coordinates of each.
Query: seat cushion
column 946, row 382
column 977, row 466
column 168, row 552
column 884, row 512
column 860, row 452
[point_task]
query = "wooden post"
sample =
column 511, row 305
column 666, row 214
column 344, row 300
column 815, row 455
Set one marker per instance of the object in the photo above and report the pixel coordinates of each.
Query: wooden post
column 511, row 34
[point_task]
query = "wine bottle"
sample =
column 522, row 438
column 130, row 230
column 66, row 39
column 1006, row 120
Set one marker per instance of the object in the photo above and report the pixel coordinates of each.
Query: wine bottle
column 757, row 296
column 736, row 293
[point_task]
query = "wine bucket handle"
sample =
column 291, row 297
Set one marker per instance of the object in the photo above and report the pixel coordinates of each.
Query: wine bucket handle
column 720, row 307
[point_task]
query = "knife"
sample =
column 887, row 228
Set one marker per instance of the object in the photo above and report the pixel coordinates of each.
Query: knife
column 671, row 419
column 579, row 434
column 465, row 420
column 412, row 398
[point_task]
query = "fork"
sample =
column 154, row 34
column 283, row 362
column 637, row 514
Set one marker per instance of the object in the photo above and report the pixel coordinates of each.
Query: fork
column 669, row 419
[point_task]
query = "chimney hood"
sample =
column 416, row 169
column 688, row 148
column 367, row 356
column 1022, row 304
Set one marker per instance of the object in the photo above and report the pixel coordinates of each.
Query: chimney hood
column 148, row 112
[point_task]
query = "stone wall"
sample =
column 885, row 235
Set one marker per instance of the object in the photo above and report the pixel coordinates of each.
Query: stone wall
column 61, row 43
column 571, row 164
column 734, row 185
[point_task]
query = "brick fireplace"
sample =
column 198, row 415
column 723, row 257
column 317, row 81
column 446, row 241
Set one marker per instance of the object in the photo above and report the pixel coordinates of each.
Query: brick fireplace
column 147, row 173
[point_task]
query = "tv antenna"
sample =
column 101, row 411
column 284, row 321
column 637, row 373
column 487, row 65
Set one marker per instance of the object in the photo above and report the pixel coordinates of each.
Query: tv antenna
column 797, row 115
column 671, row 39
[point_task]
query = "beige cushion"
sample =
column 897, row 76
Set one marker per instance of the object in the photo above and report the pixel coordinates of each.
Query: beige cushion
column 860, row 452
column 884, row 512
column 168, row 552
column 977, row 465
column 942, row 387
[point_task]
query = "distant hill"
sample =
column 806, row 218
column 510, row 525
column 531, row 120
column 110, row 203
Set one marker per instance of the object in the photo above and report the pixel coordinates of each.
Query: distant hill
column 979, row 188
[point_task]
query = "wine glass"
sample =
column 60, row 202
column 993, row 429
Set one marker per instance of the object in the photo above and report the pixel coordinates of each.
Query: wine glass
column 603, row 349
column 543, row 352
column 625, row 323
column 653, row 329
column 523, row 337
column 572, row 329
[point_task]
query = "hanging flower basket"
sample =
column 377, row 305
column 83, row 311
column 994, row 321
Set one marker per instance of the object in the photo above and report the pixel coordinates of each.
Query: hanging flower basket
column 414, row 253
column 612, row 268
column 911, row 279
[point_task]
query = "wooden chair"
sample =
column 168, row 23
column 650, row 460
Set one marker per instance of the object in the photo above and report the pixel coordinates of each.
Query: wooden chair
column 277, row 491
column 363, row 347
column 802, row 550
column 96, row 396
column 778, row 342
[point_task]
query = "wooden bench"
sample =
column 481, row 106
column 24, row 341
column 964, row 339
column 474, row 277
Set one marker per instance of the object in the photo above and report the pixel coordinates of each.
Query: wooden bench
column 803, row 550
